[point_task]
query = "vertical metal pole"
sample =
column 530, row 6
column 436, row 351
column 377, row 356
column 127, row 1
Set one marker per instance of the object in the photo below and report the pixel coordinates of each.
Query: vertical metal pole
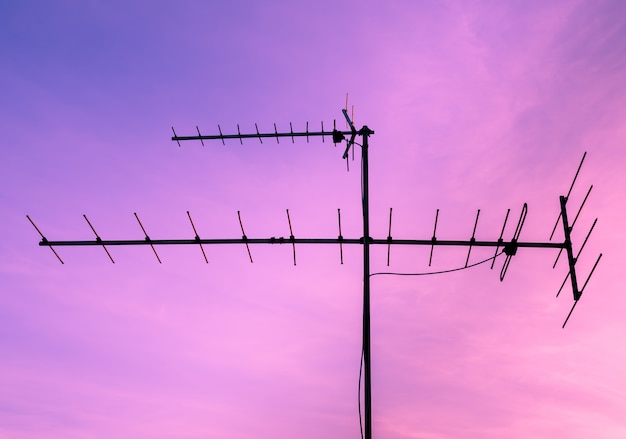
column 365, row 132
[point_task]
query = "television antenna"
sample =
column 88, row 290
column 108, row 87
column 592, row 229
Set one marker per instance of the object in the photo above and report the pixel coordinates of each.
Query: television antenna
column 507, row 247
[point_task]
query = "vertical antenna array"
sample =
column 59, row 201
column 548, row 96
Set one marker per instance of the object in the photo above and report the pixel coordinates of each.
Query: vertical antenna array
column 509, row 247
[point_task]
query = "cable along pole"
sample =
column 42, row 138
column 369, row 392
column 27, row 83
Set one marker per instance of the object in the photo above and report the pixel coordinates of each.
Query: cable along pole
column 502, row 246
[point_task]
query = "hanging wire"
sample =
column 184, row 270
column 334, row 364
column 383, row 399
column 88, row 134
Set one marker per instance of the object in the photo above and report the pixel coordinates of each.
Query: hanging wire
column 359, row 398
column 438, row 272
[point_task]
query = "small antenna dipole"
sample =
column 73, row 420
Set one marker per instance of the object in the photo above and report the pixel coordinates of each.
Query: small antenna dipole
column 197, row 238
column 348, row 122
column 346, row 108
column 244, row 237
column 99, row 239
column 44, row 240
column 148, row 240
column 473, row 239
column 292, row 238
column 500, row 238
column 556, row 224
column 510, row 249
column 389, row 239
column 434, row 240
column 340, row 237
column 353, row 134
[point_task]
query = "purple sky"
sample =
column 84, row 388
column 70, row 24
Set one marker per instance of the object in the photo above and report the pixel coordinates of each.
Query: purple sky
column 475, row 105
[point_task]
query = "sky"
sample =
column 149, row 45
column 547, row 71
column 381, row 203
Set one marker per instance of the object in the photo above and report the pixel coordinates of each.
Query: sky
column 474, row 105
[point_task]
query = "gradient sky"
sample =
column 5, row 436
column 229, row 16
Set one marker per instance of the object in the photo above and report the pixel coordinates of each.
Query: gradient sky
column 475, row 105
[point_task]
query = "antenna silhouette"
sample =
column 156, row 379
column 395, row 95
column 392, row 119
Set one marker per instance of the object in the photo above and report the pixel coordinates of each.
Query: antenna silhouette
column 509, row 247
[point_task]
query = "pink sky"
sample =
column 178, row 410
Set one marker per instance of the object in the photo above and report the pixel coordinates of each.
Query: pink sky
column 475, row 105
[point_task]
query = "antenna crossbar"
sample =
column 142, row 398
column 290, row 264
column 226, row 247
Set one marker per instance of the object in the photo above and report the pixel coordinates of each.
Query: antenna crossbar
column 240, row 136
column 288, row 240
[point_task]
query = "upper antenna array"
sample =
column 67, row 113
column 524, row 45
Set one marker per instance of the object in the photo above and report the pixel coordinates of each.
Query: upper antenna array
column 507, row 247
column 323, row 133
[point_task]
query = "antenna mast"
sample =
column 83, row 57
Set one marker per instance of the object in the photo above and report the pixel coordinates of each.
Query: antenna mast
column 509, row 248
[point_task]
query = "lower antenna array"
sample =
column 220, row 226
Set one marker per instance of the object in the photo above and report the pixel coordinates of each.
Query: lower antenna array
column 509, row 247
